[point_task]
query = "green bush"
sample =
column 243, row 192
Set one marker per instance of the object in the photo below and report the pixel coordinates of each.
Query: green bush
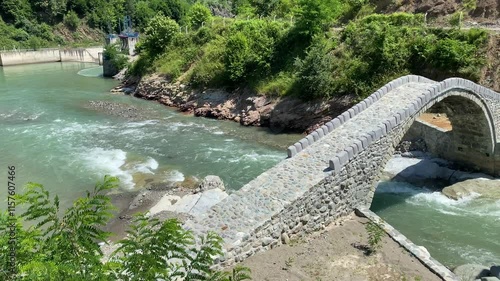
column 210, row 69
column 113, row 54
column 375, row 234
column 64, row 245
column 235, row 60
column 198, row 15
column 71, row 20
column 158, row 34
column 251, row 48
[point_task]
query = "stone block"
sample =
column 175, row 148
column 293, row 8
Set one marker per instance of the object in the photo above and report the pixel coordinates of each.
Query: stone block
column 423, row 99
column 398, row 118
column 389, row 87
column 368, row 101
column 413, row 78
column 315, row 136
column 298, row 147
column 372, row 136
column 405, row 79
column 330, row 126
column 362, row 105
column 341, row 118
column 364, row 142
column 344, row 157
column 393, row 121
column 383, row 128
column 310, row 139
column 350, row 152
column 291, row 151
column 407, row 112
column 359, row 145
column 320, row 133
column 351, row 112
column 387, row 125
column 334, row 164
column 346, row 116
column 304, row 143
column 398, row 82
column 358, row 108
column 325, row 130
column 336, row 122
column 383, row 91
column 428, row 95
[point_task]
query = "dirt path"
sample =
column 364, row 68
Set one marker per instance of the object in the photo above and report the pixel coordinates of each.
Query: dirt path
column 437, row 119
column 331, row 256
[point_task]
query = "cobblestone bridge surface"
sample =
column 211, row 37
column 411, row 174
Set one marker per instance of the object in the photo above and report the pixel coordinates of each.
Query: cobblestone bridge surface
column 335, row 169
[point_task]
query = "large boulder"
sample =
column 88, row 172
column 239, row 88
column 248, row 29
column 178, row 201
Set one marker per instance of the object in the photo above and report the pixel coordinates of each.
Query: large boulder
column 471, row 271
column 210, row 182
column 482, row 186
column 495, row 271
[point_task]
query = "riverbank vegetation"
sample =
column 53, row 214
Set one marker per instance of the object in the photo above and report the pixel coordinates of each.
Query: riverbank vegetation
column 302, row 53
column 46, row 243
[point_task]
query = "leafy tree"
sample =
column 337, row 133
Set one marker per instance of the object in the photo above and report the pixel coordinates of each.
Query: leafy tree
column 198, row 14
column 143, row 14
column 316, row 15
column 159, row 33
column 14, row 11
column 174, row 9
column 236, row 59
column 64, row 246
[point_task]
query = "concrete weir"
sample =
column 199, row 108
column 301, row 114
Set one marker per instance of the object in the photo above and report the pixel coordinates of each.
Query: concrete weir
column 93, row 55
column 334, row 170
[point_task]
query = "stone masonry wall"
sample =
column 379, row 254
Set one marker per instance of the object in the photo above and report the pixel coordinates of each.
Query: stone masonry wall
column 436, row 139
column 335, row 196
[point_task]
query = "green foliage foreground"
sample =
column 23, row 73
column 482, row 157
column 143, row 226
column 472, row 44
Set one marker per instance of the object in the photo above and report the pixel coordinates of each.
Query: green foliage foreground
column 64, row 245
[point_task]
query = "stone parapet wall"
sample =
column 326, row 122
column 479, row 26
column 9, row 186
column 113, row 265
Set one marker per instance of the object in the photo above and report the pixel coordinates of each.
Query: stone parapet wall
column 353, row 111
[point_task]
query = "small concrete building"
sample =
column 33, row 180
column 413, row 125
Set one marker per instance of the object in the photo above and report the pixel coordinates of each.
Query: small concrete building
column 128, row 41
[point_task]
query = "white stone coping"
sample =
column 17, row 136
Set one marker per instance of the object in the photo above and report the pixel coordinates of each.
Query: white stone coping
column 435, row 90
column 351, row 112
column 419, row 252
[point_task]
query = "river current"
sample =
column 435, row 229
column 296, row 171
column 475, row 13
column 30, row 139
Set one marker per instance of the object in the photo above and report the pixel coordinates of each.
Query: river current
column 52, row 134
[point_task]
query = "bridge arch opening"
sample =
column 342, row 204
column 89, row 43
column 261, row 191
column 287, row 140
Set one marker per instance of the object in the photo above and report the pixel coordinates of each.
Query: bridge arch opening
column 457, row 127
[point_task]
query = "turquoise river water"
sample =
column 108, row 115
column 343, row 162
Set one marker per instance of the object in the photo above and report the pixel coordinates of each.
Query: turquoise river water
column 53, row 136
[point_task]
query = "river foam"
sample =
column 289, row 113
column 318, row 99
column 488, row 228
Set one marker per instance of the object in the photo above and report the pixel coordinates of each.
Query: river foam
column 114, row 162
column 466, row 206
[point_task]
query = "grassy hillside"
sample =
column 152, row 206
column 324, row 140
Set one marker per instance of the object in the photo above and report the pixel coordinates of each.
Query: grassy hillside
column 304, row 54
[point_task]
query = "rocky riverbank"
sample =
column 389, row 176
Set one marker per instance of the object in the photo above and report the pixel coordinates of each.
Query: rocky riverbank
column 168, row 200
column 281, row 114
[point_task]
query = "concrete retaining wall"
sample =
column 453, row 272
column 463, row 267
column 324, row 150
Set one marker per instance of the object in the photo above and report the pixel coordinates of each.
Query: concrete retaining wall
column 50, row 55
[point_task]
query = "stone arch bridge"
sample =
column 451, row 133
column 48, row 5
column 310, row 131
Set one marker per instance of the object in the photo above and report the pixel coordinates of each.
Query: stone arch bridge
column 334, row 170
